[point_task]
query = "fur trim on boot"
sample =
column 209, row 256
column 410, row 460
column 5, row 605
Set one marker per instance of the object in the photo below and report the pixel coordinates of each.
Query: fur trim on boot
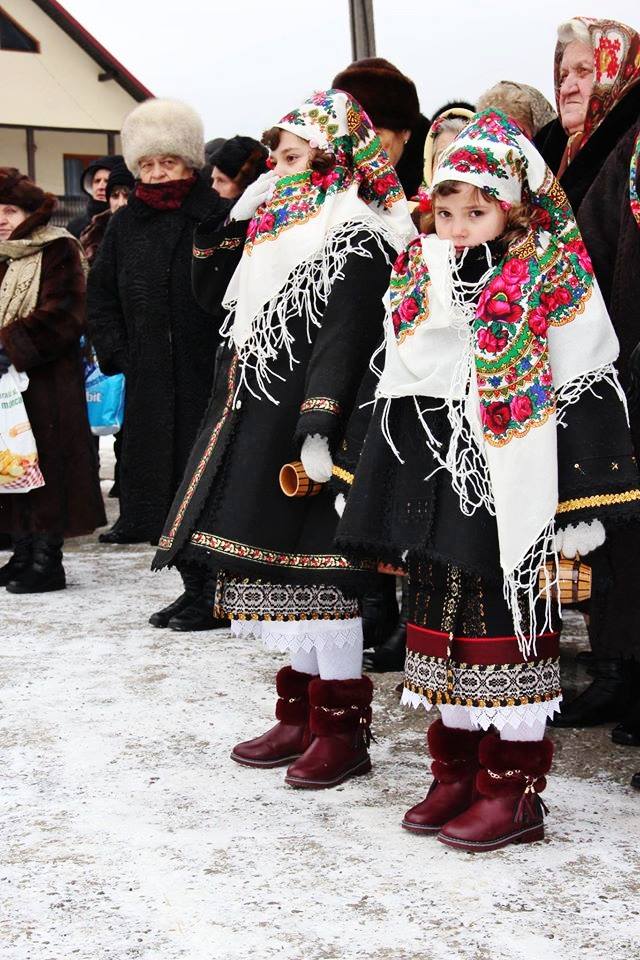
column 340, row 718
column 454, row 767
column 509, row 808
column 290, row 736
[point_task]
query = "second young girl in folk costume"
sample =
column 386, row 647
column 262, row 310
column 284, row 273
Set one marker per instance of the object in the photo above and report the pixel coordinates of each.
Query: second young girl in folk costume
column 499, row 437
column 305, row 312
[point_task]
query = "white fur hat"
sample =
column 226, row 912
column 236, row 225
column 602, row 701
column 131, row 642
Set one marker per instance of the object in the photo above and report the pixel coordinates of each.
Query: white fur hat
column 163, row 127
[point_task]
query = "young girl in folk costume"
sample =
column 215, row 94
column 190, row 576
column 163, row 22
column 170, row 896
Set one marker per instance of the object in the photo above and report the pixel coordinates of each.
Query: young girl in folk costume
column 499, row 437
column 305, row 311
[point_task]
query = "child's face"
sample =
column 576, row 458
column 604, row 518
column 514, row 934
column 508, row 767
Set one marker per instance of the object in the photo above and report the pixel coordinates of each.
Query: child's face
column 468, row 218
column 292, row 155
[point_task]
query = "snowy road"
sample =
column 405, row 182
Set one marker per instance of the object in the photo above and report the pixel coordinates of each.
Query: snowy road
column 128, row 833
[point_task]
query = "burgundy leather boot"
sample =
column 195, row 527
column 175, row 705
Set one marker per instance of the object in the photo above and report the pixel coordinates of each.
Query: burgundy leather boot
column 340, row 718
column 454, row 768
column 508, row 808
column 289, row 738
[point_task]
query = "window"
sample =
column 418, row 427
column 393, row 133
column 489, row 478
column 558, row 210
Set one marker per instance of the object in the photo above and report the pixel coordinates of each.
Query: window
column 14, row 37
column 74, row 165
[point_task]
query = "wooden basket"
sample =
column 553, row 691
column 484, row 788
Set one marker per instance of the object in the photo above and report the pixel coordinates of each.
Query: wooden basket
column 294, row 481
column 574, row 581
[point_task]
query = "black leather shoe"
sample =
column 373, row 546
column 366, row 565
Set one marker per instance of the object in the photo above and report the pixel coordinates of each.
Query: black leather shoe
column 635, row 781
column 119, row 534
column 627, row 733
column 162, row 617
column 390, row 656
column 380, row 614
column 197, row 616
column 604, row 700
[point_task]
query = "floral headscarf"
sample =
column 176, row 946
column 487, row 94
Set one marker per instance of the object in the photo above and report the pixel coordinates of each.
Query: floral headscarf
column 616, row 58
column 536, row 338
column 634, row 181
column 298, row 241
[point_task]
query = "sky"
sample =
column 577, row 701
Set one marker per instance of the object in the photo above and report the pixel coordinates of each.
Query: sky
column 244, row 63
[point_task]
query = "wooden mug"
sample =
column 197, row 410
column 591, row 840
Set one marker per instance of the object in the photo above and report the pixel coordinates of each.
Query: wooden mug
column 295, row 482
column 574, row 581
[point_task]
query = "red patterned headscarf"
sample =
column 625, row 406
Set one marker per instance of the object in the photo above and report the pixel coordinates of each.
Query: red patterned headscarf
column 616, row 57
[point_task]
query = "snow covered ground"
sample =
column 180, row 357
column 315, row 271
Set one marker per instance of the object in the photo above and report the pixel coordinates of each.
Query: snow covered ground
column 128, row 833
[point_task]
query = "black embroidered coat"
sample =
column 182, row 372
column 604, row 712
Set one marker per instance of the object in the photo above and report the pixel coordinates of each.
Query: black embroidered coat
column 144, row 321
column 612, row 237
column 230, row 513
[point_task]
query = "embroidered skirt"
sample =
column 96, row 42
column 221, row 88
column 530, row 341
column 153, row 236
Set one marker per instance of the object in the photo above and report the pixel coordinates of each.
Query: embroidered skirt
column 461, row 651
column 289, row 617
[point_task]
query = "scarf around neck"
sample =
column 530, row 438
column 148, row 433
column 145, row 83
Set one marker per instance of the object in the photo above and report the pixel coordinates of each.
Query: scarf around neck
column 634, row 181
column 299, row 240
column 21, row 283
column 505, row 356
column 168, row 195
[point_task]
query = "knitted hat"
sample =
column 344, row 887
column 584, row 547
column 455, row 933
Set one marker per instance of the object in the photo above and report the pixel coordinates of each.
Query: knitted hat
column 120, row 176
column 390, row 98
column 231, row 156
column 163, row 127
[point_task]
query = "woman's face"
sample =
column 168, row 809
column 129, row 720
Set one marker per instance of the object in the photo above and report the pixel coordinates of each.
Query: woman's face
column 225, row 186
column 10, row 218
column 160, row 168
column 468, row 218
column 119, row 198
column 292, row 155
column 393, row 142
column 577, row 75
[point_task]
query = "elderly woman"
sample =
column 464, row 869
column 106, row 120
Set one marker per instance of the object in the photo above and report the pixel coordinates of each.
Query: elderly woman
column 597, row 74
column 526, row 105
column 145, row 323
column 42, row 317
column 235, row 164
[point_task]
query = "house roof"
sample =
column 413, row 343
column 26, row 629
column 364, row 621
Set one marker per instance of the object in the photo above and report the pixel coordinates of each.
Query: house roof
column 112, row 67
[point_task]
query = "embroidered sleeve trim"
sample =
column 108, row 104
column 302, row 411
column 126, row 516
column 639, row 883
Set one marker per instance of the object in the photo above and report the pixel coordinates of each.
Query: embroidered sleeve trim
column 291, row 561
column 229, row 243
column 599, row 500
column 343, row 475
column 324, row 404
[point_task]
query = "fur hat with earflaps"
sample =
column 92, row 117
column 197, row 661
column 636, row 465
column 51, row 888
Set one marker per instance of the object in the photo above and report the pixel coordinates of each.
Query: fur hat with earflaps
column 163, row 127
column 18, row 190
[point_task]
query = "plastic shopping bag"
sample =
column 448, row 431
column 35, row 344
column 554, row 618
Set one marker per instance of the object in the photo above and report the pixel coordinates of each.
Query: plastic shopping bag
column 19, row 470
column 105, row 400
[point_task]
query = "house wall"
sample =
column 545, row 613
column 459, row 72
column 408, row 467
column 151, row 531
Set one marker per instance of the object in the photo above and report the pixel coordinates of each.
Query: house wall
column 51, row 145
column 59, row 86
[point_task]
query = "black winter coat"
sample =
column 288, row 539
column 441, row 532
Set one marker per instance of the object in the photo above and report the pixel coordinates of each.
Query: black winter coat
column 588, row 162
column 229, row 513
column 145, row 322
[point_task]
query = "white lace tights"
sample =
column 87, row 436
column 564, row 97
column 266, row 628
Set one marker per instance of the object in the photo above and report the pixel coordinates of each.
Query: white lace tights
column 331, row 662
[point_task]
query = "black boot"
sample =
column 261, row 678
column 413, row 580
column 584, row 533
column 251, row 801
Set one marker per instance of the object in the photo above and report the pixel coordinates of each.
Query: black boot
column 199, row 615
column 45, row 573
column 627, row 733
column 19, row 563
column 121, row 534
column 635, row 780
column 605, row 699
column 390, row 656
column 193, row 581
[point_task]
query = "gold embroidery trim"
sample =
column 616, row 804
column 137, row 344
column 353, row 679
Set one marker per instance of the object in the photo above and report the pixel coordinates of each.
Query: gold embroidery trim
column 229, row 243
column 324, row 404
column 343, row 475
column 599, row 500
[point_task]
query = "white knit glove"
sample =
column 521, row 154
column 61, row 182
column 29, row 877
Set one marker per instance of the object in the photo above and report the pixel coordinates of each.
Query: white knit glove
column 316, row 458
column 581, row 539
column 340, row 503
column 256, row 194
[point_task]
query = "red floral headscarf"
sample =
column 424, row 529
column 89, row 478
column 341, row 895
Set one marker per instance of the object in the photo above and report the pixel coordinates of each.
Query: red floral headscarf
column 616, row 56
